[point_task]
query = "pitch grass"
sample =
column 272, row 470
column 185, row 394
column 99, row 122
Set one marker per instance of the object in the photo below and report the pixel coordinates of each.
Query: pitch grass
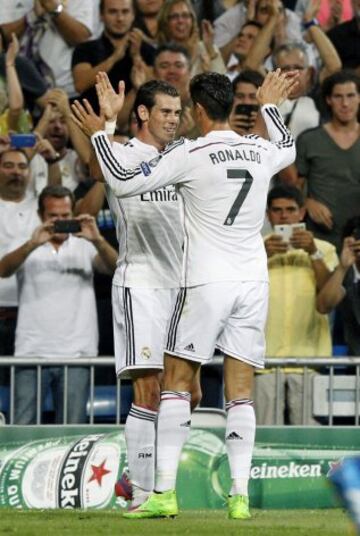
column 197, row 523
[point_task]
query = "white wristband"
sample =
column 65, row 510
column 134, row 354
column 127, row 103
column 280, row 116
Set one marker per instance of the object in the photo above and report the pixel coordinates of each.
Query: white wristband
column 317, row 255
column 110, row 127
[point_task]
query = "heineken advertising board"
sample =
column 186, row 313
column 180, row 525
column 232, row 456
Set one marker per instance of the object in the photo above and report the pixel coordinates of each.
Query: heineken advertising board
column 74, row 468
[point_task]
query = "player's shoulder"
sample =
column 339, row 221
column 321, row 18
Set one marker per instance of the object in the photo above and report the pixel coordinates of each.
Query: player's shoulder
column 175, row 144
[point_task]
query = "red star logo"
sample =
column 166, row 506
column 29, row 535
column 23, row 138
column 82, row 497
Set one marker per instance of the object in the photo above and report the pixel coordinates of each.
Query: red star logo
column 98, row 472
column 333, row 465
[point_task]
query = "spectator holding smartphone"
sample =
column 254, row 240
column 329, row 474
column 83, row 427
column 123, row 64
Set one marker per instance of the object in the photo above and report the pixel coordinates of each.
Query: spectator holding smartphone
column 298, row 270
column 343, row 287
column 244, row 118
column 57, row 310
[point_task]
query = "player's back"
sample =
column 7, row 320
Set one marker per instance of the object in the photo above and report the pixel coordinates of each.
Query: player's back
column 148, row 227
column 223, row 179
column 224, row 207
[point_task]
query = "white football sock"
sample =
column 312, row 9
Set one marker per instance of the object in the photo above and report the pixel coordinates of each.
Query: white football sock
column 140, row 444
column 172, row 431
column 239, row 439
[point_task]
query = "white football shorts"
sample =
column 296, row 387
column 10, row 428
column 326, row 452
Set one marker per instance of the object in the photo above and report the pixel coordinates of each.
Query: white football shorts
column 227, row 315
column 141, row 318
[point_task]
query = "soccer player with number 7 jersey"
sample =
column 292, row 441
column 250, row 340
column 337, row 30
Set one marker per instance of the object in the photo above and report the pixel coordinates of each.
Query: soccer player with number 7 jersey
column 223, row 180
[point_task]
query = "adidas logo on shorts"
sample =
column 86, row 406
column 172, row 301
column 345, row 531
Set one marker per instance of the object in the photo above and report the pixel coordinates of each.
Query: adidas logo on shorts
column 190, row 347
column 186, row 424
column 234, row 435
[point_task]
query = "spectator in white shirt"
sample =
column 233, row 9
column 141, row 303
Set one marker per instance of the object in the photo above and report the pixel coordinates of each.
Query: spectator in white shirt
column 57, row 310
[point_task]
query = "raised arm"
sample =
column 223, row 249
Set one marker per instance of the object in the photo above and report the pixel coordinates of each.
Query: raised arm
column 126, row 182
column 72, row 30
column 84, row 73
column 11, row 262
column 167, row 168
column 59, row 99
column 262, row 43
column 329, row 56
column 274, row 90
column 14, row 91
column 333, row 291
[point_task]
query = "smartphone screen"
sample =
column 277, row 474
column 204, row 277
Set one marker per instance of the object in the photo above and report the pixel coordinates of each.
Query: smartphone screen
column 22, row 140
column 246, row 109
column 67, row 226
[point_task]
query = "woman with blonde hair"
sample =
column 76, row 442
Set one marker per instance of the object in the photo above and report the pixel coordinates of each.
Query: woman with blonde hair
column 177, row 23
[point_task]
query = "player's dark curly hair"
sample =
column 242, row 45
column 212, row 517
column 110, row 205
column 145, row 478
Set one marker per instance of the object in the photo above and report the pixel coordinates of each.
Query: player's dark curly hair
column 215, row 94
column 147, row 92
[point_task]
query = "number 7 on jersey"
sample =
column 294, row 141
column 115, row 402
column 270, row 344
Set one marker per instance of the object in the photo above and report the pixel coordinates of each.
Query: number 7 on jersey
column 244, row 175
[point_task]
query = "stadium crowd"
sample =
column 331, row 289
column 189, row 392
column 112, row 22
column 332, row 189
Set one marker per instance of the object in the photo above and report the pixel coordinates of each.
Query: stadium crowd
column 50, row 54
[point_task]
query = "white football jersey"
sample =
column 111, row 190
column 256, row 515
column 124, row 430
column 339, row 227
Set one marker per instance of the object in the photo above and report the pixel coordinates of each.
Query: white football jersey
column 148, row 228
column 223, row 179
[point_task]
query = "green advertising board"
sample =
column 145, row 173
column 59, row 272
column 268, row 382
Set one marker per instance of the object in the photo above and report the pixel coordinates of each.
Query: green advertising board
column 77, row 467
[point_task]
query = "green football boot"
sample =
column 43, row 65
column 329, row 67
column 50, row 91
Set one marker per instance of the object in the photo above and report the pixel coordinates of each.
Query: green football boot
column 238, row 507
column 157, row 505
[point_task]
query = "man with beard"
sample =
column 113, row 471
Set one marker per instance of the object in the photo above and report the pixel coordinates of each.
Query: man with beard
column 18, row 218
column 59, row 163
column 57, row 311
column 114, row 51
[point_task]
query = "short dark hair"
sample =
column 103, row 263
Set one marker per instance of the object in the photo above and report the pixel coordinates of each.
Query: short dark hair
column 285, row 192
column 350, row 226
column 147, row 92
column 251, row 23
column 172, row 47
column 15, row 150
column 102, row 6
column 340, row 77
column 214, row 92
column 248, row 76
column 57, row 191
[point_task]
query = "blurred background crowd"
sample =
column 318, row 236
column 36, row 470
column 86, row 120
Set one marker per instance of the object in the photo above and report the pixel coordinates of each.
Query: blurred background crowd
column 50, row 53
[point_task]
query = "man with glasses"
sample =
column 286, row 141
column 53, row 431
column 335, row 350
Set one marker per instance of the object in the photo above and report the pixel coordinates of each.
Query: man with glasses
column 299, row 110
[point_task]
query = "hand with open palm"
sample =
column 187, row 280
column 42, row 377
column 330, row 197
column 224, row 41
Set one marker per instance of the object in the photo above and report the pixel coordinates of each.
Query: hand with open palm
column 110, row 102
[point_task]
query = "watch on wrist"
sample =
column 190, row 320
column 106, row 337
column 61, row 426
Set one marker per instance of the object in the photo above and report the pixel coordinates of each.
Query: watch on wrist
column 53, row 159
column 56, row 12
column 317, row 256
column 310, row 23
